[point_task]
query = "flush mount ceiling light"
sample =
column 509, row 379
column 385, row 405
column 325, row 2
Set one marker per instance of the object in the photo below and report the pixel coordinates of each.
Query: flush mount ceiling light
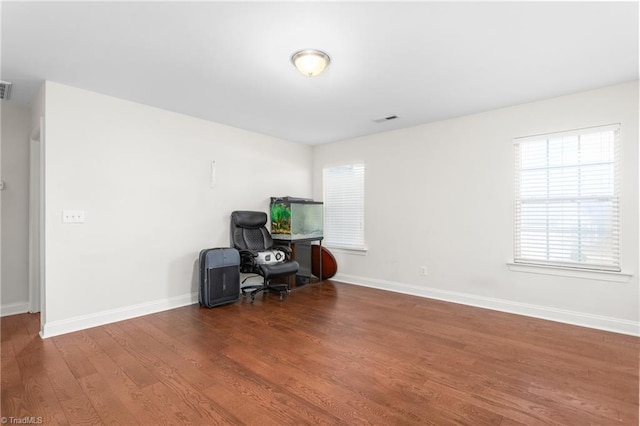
column 310, row 62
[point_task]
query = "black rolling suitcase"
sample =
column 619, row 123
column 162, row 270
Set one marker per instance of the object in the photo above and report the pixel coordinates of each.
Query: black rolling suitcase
column 219, row 276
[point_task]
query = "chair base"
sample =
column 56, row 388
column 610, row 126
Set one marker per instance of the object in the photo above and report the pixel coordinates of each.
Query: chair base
column 281, row 289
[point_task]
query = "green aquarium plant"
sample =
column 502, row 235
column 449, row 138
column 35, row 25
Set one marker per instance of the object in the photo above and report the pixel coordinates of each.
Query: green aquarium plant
column 280, row 219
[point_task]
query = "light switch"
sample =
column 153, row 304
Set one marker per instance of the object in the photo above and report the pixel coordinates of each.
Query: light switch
column 72, row 216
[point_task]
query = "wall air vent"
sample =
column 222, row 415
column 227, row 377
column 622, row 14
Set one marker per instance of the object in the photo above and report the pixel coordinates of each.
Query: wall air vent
column 5, row 90
column 383, row 119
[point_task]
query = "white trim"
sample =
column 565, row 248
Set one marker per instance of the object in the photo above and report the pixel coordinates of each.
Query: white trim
column 599, row 322
column 14, row 308
column 585, row 130
column 42, row 229
column 361, row 251
column 559, row 271
column 55, row 328
column 36, row 167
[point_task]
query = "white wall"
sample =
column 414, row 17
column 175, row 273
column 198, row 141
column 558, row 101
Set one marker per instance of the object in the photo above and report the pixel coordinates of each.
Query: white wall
column 441, row 195
column 142, row 176
column 14, row 292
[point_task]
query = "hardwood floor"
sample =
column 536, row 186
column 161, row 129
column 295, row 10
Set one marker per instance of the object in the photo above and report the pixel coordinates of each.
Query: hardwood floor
column 330, row 353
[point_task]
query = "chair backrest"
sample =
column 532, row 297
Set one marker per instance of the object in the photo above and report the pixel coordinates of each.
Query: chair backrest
column 249, row 231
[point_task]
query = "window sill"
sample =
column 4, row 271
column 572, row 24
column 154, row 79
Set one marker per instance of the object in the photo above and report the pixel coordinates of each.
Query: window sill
column 358, row 251
column 619, row 277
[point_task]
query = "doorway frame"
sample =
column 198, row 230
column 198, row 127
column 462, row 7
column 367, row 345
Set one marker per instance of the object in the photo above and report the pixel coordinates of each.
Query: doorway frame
column 36, row 222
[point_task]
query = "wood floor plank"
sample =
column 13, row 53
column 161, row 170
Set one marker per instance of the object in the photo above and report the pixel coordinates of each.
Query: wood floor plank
column 36, row 392
column 330, row 353
column 13, row 401
column 107, row 405
column 135, row 370
column 80, row 411
column 39, row 396
column 64, row 383
column 74, row 357
column 141, row 408
column 207, row 374
column 170, row 406
column 226, row 388
column 189, row 370
column 181, row 382
column 291, row 381
column 9, row 366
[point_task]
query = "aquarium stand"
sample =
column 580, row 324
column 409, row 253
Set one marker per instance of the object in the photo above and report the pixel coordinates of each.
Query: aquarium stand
column 301, row 252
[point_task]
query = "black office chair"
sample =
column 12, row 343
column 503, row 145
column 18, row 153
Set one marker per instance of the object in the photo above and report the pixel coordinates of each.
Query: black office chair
column 258, row 254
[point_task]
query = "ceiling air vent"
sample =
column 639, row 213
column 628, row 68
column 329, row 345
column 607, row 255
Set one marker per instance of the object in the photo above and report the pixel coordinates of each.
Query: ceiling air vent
column 5, row 90
column 383, row 119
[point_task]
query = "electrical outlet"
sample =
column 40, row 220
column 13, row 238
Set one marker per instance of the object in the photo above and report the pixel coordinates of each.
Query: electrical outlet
column 423, row 271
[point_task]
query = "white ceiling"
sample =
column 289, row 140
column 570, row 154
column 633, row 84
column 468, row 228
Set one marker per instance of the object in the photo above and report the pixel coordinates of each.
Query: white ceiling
column 229, row 62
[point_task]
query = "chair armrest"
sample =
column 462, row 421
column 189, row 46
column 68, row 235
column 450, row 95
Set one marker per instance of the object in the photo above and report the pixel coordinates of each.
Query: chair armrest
column 285, row 249
column 247, row 252
column 248, row 260
column 248, row 257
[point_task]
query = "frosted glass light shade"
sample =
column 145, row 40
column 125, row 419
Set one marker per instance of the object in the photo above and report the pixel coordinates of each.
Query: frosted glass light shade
column 310, row 62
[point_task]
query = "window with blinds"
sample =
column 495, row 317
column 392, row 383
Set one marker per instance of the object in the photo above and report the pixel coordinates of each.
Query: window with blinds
column 344, row 206
column 567, row 202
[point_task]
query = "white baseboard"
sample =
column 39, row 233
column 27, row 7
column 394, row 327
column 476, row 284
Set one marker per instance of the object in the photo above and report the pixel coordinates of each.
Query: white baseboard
column 615, row 325
column 599, row 322
column 55, row 328
column 14, row 308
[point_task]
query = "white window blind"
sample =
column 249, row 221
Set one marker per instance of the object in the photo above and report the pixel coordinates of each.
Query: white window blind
column 567, row 202
column 344, row 206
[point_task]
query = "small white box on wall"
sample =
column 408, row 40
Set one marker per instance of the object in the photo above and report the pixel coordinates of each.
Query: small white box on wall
column 72, row 216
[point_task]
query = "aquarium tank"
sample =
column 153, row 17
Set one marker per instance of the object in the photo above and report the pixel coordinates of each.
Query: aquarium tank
column 296, row 218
